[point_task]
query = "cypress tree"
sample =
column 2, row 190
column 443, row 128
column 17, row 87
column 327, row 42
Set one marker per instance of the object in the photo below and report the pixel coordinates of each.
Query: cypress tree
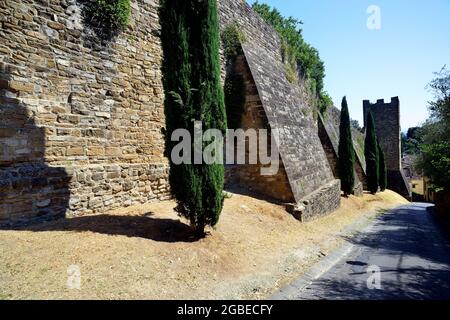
column 191, row 69
column 382, row 169
column 346, row 165
column 372, row 157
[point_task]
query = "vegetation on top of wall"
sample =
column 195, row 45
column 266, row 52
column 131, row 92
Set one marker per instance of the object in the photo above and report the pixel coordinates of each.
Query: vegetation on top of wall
column 234, row 87
column 107, row 17
column 232, row 39
column 297, row 53
column 234, row 99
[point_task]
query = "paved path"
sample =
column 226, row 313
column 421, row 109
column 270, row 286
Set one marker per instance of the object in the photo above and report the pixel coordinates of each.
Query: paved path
column 405, row 245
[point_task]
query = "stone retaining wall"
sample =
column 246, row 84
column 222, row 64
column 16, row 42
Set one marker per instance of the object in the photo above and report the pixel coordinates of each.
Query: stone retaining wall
column 80, row 128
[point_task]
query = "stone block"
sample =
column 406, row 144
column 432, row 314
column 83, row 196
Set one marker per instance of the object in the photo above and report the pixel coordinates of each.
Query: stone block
column 75, row 151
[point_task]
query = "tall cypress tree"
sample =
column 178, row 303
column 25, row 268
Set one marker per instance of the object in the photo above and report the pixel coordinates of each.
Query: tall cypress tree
column 346, row 165
column 382, row 169
column 372, row 157
column 191, row 69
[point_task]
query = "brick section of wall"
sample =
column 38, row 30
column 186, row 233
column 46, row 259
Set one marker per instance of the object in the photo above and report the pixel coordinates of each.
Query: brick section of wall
column 387, row 125
column 73, row 110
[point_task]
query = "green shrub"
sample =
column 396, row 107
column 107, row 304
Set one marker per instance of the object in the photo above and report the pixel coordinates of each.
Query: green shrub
column 107, row 17
column 435, row 163
column 232, row 40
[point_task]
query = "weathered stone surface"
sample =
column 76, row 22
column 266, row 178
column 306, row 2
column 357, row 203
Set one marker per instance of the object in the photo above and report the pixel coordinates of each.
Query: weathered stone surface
column 76, row 120
column 81, row 122
column 387, row 125
column 288, row 110
column 328, row 125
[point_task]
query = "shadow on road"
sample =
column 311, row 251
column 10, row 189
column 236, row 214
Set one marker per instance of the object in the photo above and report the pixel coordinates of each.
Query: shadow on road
column 411, row 253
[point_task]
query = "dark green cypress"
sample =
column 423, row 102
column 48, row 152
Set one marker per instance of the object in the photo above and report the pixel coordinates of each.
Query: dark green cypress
column 346, row 164
column 382, row 169
column 191, row 70
column 372, row 157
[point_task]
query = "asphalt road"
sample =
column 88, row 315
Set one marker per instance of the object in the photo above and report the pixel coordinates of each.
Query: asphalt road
column 403, row 255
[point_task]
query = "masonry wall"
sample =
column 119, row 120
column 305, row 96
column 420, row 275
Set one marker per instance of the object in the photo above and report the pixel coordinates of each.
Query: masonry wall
column 328, row 125
column 254, row 118
column 80, row 122
column 289, row 110
column 387, row 125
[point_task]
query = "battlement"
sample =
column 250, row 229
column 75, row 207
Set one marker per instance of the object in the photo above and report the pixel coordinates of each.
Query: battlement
column 395, row 103
column 387, row 124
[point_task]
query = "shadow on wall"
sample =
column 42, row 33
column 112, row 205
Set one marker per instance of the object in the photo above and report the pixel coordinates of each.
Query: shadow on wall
column 30, row 189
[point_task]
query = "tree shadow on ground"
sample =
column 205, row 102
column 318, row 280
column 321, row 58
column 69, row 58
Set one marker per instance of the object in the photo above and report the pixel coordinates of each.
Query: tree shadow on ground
column 408, row 231
column 421, row 284
column 145, row 226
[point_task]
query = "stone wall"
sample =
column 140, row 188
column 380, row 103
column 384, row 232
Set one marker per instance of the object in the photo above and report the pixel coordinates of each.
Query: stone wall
column 328, row 125
column 387, row 125
column 254, row 117
column 80, row 122
column 287, row 107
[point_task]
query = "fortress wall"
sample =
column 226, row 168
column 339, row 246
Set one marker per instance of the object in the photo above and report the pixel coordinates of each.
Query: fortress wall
column 288, row 110
column 254, row 117
column 387, row 125
column 80, row 123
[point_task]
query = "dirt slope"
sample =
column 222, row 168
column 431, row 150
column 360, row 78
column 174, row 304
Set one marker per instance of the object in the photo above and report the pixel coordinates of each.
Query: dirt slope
column 147, row 252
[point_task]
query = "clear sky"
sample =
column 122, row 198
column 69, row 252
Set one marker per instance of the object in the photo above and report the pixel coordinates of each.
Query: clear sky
column 397, row 60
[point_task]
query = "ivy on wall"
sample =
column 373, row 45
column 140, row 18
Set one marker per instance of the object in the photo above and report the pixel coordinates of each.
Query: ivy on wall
column 232, row 39
column 107, row 17
column 234, row 87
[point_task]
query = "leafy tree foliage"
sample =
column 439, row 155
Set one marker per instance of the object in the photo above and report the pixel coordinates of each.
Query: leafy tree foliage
column 191, row 69
column 435, row 147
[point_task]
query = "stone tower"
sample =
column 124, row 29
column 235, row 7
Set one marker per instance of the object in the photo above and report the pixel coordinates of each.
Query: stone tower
column 387, row 124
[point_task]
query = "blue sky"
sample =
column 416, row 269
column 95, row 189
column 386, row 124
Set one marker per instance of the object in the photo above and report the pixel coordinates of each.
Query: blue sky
column 397, row 60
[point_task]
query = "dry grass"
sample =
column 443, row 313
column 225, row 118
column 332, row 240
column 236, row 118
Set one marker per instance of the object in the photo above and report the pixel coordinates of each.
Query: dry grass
column 146, row 252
